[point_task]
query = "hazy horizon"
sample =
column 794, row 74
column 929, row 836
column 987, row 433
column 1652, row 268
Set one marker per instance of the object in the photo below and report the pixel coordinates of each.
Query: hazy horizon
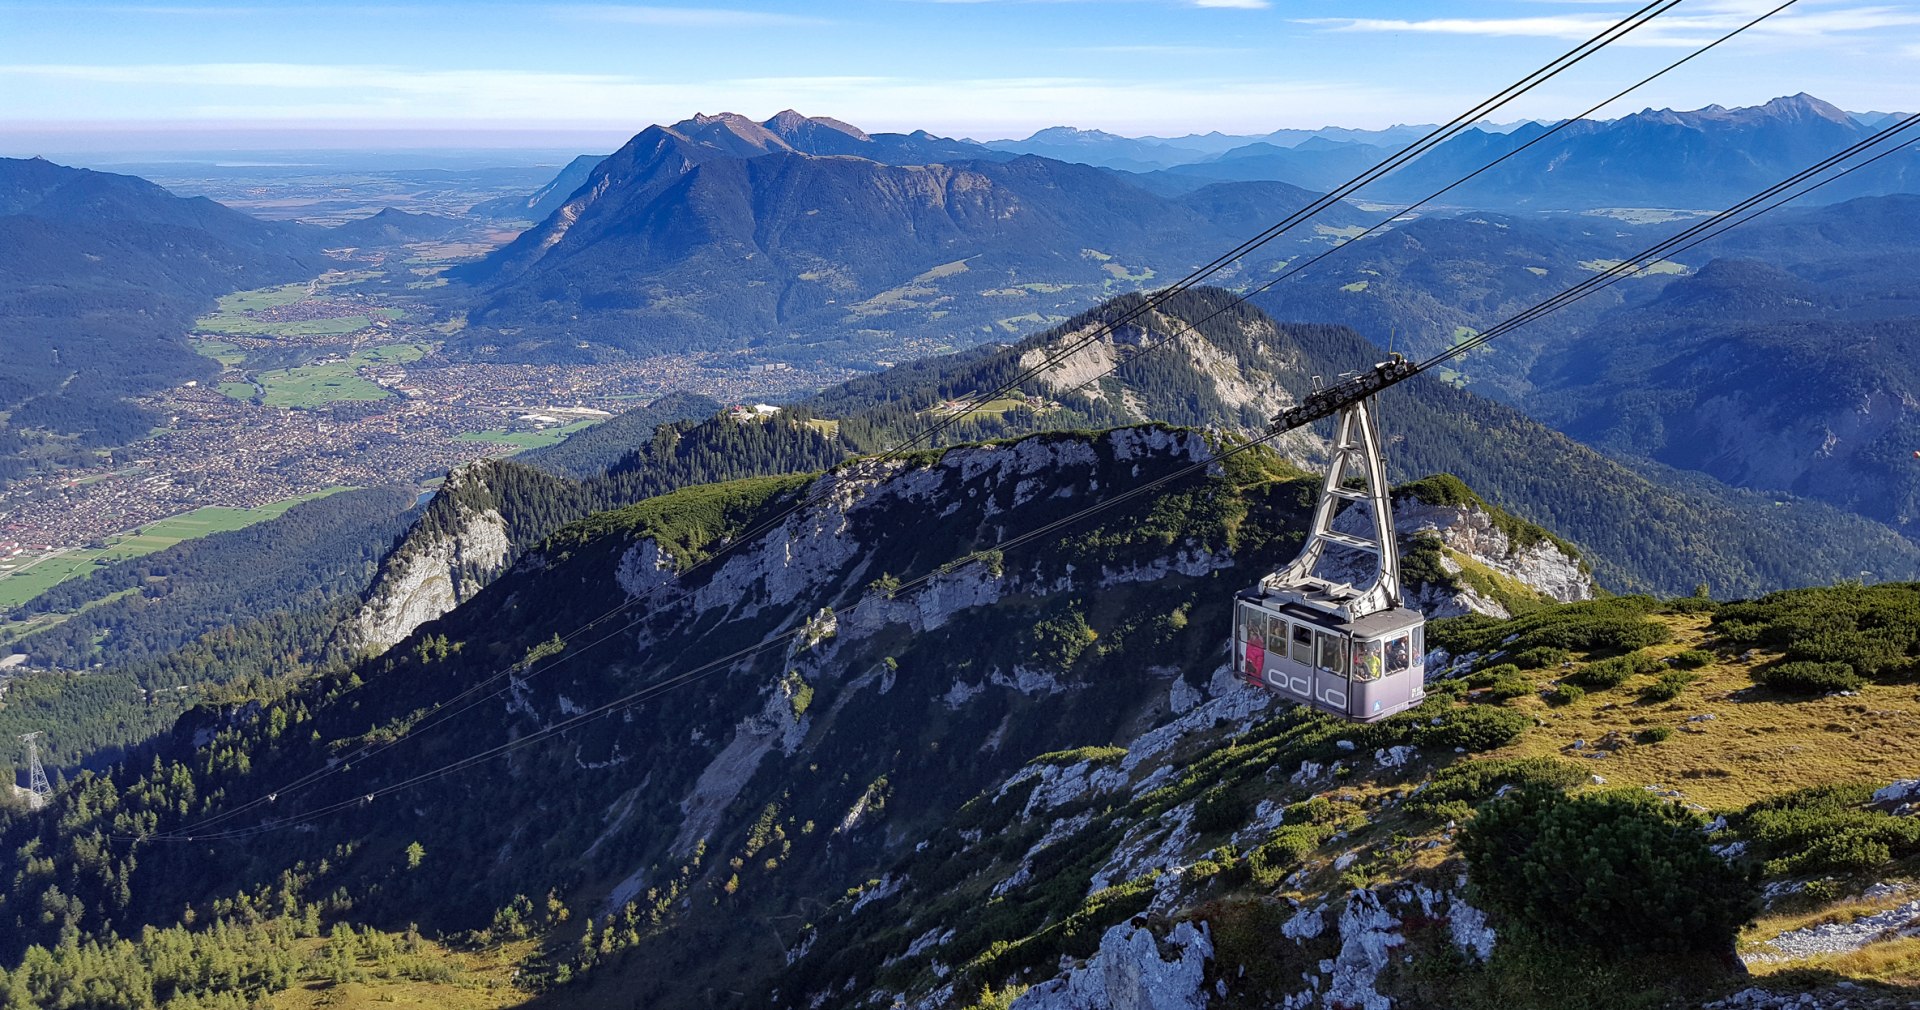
column 267, row 74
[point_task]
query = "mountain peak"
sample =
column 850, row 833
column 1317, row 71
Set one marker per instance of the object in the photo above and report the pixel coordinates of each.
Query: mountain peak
column 1804, row 105
column 1071, row 134
column 730, row 133
column 792, row 126
column 1800, row 108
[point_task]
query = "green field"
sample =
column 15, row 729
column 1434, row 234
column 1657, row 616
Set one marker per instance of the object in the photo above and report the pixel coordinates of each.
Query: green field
column 1655, row 268
column 331, row 382
column 234, row 314
column 525, row 439
column 19, row 585
column 219, row 350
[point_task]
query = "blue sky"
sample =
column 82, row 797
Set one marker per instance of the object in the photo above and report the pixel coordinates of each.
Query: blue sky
column 980, row 68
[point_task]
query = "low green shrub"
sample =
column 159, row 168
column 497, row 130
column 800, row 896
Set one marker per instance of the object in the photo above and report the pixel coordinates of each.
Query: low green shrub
column 1492, row 674
column 1473, row 727
column 1097, row 755
column 1508, row 688
column 1654, row 734
column 1315, row 810
column 1693, row 659
column 1565, row 694
column 1875, row 630
column 1604, row 674
column 1614, row 872
column 1473, row 782
column 1615, row 624
column 1668, row 686
column 1541, row 657
column 1283, row 851
column 1221, row 808
column 1804, row 677
column 1827, row 829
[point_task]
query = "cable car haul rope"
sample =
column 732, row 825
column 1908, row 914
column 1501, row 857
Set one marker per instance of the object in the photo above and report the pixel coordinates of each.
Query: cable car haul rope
column 1351, row 650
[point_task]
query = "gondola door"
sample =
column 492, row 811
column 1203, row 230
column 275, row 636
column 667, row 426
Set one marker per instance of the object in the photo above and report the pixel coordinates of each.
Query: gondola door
column 1292, row 671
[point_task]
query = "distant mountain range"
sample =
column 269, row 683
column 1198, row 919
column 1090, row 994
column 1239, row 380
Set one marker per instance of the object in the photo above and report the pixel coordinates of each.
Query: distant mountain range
column 721, row 232
column 1704, row 159
column 1147, row 154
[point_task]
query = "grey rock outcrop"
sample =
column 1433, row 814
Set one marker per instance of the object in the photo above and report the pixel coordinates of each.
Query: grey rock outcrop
column 1470, row 532
column 1130, row 972
column 431, row 572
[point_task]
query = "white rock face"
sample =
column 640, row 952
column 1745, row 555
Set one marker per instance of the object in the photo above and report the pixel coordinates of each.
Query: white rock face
column 756, row 736
column 432, row 575
column 1159, row 844
column 1129, row 973
column 430, row 580
column 1468, row 531
column 1902, row 791
column 1841, row 937
column 644, row 568
column 1368, row 935
column 1310, row 921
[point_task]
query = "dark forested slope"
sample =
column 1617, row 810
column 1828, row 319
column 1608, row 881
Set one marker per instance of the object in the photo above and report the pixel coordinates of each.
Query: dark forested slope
column 100, row 275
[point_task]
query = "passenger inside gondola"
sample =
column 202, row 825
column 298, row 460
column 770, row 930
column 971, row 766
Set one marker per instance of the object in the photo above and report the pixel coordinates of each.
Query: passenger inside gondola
column 1397, row 656
column 1366, row 661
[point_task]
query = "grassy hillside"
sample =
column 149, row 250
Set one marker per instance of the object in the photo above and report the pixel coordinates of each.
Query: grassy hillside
column 1283, row 812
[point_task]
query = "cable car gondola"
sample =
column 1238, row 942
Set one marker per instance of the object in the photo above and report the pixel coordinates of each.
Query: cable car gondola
column 1351, row 651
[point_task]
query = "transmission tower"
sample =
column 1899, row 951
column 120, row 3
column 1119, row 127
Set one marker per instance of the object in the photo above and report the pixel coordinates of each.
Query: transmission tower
column 38, row 788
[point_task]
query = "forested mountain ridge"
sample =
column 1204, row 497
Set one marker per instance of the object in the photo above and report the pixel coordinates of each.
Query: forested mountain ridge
column 1789, row 367
column 100, row 276
column 487, row 512
column 1642, row 531
column 138, row 642
column 1234, row 367
column 679, row 782
column 1035, row 763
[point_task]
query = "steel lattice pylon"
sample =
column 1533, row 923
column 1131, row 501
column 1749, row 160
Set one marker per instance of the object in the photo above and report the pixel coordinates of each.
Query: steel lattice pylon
column 39, row 790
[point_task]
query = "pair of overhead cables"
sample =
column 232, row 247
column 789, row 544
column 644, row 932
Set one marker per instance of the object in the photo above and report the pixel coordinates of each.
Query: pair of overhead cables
column 442, row 713
column 478, row 693
column 1771, row 198
column 1242, row 297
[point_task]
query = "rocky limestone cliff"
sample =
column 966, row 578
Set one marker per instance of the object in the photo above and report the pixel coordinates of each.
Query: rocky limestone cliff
column 1334, row 946
column 1487, row 567
column 434, row 569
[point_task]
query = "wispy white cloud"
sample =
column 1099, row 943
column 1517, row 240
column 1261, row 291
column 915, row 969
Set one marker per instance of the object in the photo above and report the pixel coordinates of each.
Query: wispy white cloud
column 992, row 106
column 685, row 17
column 1803, row 24
column 1247, row 5
column 1160, row 49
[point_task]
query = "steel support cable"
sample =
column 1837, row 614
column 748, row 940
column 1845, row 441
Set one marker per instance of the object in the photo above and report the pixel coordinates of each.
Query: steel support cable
column 1725, row 220
column 1699, row 232
column 702, row 671
column 471, row 696
column 1192, row 326
column 1393, row 162
column 1789, row 198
